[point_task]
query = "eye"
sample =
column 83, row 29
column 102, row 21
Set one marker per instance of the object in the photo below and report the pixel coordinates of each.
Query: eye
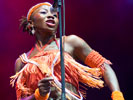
column 55, row 15
column 43, row 12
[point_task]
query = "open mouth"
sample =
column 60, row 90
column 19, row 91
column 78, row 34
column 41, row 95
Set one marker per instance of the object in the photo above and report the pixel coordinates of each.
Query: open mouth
column 50, row 23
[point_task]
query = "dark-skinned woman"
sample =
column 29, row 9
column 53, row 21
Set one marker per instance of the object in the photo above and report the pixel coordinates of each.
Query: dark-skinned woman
column 38, row 72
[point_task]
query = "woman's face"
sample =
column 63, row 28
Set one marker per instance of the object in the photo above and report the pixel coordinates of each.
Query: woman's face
column 45, row 18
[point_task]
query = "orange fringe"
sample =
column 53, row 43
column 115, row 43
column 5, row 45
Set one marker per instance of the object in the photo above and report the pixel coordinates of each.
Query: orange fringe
column 117, row 95
column 27, row 79
column 39, row 97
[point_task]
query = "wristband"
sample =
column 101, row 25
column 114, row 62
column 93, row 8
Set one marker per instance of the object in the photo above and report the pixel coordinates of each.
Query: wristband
column 117, row 95
column 39, row 97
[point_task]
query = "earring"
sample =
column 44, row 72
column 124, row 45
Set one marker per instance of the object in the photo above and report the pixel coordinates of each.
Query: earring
column 32, row 31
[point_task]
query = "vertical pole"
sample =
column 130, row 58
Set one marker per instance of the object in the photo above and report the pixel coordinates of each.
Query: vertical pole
column 63, row 97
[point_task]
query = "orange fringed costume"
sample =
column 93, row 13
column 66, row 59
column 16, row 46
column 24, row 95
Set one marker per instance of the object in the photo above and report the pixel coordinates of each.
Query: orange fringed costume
column 27, row 79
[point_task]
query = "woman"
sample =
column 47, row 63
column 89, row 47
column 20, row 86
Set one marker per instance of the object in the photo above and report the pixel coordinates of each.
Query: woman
column 38, row 71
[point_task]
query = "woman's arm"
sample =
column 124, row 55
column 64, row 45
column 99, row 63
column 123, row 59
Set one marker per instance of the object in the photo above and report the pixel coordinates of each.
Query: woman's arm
column 81, row 50
column 110, row 78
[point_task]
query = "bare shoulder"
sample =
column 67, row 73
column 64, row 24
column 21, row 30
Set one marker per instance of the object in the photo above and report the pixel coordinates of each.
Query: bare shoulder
column 18, row 65
column 75, row 40
column 80, row 48
column 72, row 36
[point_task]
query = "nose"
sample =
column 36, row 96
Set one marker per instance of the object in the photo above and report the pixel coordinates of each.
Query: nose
column 50, row 17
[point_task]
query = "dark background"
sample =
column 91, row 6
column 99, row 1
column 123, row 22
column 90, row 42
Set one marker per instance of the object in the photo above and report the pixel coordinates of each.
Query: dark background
column 106, row 25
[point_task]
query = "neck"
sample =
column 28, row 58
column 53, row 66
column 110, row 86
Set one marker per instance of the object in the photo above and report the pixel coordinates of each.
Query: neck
column 43, row 38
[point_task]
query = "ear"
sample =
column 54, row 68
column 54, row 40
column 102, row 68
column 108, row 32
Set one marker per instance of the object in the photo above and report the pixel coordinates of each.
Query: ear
column 29, row 24
column 30, row 27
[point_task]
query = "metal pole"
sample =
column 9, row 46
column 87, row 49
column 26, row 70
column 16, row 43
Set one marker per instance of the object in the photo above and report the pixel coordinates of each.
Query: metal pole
column 63, row 97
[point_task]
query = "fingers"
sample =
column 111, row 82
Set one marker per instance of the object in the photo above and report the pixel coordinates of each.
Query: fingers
column 46, row 79
column 44, row 90
column 44, row 85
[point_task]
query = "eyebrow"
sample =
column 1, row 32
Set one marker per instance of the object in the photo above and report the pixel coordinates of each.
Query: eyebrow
column 44, row 9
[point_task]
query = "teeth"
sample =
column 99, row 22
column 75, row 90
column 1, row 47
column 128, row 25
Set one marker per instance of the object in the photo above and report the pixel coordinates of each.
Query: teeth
column 50, row 21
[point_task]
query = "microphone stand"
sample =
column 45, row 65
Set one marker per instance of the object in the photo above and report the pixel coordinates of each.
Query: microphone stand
column 63, row 97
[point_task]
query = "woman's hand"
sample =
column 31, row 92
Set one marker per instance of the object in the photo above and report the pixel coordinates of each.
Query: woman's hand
column 44, row 85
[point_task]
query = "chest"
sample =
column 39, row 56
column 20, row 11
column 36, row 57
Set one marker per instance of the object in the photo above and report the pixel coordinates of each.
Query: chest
column 55, row 46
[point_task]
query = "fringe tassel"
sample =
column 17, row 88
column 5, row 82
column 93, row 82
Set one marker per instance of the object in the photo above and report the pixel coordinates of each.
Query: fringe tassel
column 88, row 76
